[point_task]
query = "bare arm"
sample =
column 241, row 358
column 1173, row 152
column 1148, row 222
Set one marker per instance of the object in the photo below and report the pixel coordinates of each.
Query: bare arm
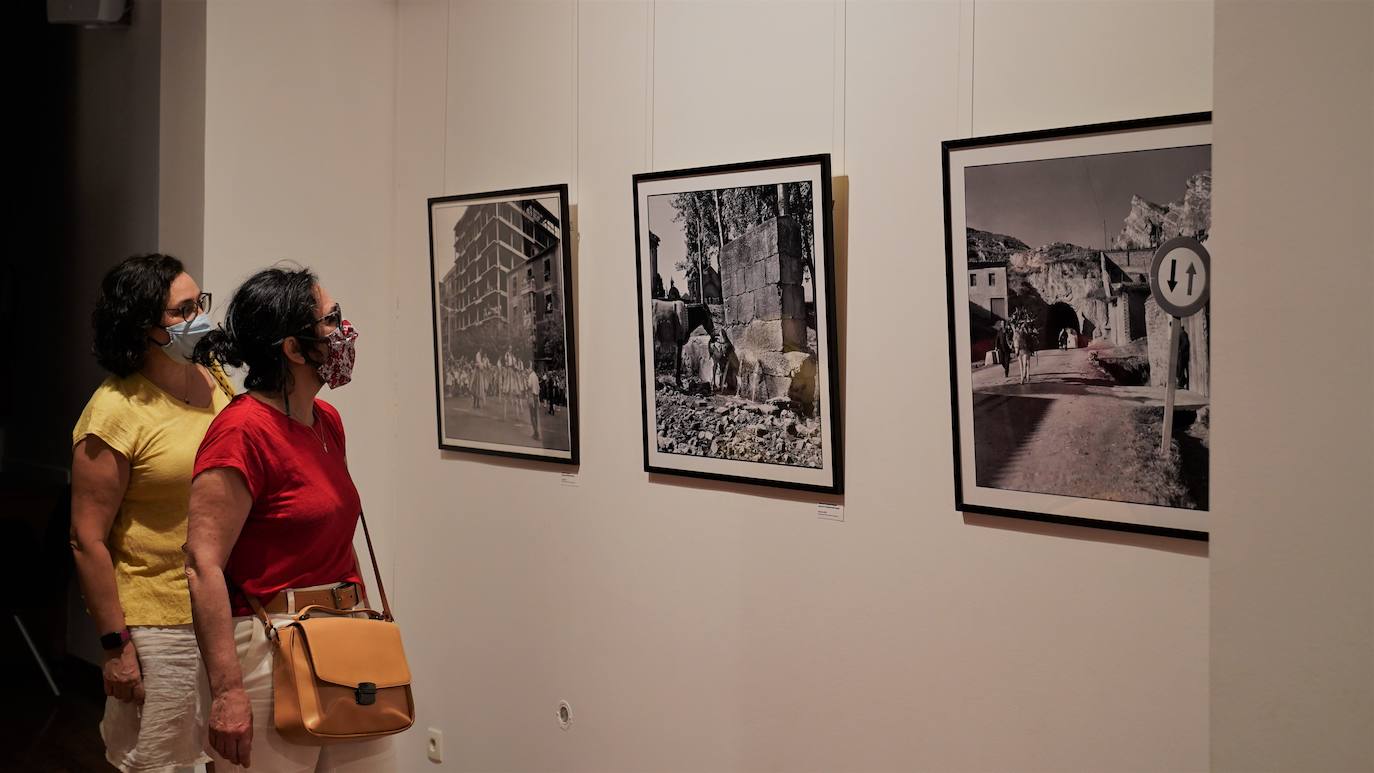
column 220, row 502
column 219, row 506
column 100, row 476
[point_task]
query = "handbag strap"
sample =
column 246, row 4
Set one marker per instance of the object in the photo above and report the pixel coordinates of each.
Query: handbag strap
column 376, row 570
column 222, row 379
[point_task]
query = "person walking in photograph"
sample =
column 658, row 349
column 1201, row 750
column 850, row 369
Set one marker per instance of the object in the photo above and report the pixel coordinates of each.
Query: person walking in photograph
column 479, row 381
column 532, row 397
column 1002, row 345
column 1021, row 343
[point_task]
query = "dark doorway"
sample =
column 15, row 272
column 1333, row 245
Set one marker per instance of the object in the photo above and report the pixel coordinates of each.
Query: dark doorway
column 1058, row 318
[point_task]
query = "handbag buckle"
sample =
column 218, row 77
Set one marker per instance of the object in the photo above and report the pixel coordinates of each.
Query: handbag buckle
column 334, row 594
column 366, row 694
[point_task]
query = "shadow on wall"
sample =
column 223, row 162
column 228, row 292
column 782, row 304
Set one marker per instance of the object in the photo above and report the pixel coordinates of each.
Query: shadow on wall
column 90, row 139
column 1179, row 546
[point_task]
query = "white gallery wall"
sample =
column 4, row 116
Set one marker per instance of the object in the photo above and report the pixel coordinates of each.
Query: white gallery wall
column 707, row 627
column 696, row 626
column 299, row 166
column 1292, row 650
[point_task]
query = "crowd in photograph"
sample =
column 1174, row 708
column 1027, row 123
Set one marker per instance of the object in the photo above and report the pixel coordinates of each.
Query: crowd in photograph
column 505, row 378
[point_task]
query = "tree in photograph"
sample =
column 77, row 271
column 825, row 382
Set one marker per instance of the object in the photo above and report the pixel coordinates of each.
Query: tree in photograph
column 548, row 341
column 492, row 337
column 711, row 219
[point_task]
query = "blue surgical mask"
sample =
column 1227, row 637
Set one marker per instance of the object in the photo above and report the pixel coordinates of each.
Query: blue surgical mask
column 185, row 336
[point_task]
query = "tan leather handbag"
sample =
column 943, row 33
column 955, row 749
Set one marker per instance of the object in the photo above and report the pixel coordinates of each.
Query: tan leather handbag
column 338, row 678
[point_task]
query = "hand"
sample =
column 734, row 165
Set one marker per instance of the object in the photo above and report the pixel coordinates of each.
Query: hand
column 231, row 726
column 123, row 677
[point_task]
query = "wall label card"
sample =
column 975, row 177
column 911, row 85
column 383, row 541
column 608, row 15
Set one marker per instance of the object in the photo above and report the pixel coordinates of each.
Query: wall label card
column 829, row 512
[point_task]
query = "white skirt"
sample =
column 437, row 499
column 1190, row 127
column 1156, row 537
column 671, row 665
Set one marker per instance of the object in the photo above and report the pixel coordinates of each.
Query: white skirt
column 169, row 730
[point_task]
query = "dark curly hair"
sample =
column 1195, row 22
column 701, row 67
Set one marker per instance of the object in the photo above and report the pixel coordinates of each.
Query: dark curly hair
column 132, row 298
column 273, row 305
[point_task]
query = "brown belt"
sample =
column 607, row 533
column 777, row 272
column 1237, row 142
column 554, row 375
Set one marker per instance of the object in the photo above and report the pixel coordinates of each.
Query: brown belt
column 345, row 595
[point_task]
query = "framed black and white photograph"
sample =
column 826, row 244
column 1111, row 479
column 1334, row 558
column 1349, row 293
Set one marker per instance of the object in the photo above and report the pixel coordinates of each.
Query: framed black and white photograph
column 504, row 355
column 738, row 360
column 1060, row 361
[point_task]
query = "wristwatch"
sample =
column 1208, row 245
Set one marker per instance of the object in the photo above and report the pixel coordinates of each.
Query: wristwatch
column 113, row 641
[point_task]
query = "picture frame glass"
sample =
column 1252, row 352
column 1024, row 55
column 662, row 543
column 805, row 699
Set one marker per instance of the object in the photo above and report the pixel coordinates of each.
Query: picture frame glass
column 736, row 293
column 505, row 360
column 1059, row 355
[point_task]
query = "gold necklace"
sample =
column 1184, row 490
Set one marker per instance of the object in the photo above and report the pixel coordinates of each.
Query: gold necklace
column 286, row 411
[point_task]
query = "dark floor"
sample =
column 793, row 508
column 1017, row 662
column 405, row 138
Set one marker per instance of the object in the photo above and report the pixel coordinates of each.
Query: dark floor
column 42, row 733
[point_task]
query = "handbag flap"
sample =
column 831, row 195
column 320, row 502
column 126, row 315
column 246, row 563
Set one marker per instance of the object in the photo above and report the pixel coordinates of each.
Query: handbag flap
column 348, row 651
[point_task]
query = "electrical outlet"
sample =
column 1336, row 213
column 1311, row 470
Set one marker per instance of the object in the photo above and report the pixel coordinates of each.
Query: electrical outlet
column 434, row 747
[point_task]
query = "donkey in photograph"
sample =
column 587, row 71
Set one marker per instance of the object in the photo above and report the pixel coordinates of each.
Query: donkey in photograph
column 1023, row 346
column 673, row 323
column 723, row 360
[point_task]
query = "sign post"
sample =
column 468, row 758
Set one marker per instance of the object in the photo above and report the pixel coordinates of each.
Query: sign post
column 1175, row 327
column 1180, row 281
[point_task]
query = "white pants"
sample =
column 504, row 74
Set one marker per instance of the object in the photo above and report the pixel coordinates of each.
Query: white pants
column 167, row 732
column 270, row 752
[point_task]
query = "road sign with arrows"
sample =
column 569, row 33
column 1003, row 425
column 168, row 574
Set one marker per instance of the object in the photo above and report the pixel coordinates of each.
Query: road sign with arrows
column 1180, row 281
column 1179, row 276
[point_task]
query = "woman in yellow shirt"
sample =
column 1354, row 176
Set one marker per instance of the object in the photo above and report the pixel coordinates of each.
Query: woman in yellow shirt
column 133, row 451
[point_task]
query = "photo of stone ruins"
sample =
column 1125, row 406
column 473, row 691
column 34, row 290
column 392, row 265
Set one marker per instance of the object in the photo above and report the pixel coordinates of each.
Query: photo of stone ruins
column 1069, row 350
column 733, row 324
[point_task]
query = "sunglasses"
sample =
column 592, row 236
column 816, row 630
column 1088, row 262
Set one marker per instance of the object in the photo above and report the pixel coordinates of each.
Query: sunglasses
column 334, row 318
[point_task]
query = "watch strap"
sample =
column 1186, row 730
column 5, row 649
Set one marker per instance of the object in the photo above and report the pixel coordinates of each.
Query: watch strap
column 113, row 641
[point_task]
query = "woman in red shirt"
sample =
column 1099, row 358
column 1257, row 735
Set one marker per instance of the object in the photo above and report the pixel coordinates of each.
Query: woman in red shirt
column 272, row 514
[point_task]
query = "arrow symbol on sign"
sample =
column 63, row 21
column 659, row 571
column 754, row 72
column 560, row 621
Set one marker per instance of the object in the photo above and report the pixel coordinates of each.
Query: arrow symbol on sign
column 1192, row 271
column 1173, row 273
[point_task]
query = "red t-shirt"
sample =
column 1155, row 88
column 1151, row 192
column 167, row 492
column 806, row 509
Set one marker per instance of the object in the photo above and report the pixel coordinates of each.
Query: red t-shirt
column 299, row 531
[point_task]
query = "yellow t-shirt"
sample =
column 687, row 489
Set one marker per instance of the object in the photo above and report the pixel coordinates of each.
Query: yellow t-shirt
column 159, row 435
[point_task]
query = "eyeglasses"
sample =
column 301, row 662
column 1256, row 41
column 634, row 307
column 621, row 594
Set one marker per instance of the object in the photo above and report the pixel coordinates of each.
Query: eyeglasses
column 334, row 318
column 191, row 309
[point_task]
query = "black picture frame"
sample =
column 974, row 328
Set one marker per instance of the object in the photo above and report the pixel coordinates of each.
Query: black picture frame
column 969, row 499
column 566, row 391
column 827, row 409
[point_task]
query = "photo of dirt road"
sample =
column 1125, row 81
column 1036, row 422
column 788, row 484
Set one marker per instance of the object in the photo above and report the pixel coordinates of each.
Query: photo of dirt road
column 1069, row 351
